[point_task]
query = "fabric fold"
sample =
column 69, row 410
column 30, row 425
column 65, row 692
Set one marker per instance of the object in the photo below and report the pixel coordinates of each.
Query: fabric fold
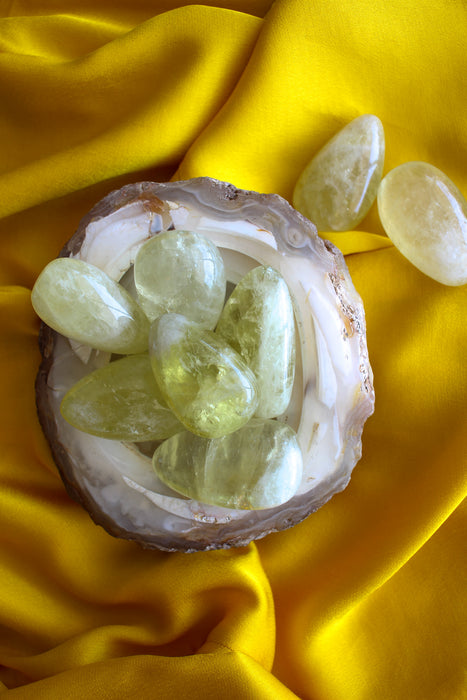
column 113, row 110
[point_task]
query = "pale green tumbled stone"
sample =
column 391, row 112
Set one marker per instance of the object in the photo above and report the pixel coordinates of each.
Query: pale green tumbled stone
column 425, row 216
column 181, row 272
column 82, row 302
column 204, row 381
column 121, row 401
column 339, row 185
column 258, row 322
column 259, row 466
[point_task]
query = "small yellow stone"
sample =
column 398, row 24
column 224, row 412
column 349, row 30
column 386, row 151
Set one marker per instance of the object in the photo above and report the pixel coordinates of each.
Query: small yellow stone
column 259, row 466
column 82, row 302
column 258, row 322
column 425, row 216
column 339, row 185
column 181, row 272
column 120, row 401
column 203, row 380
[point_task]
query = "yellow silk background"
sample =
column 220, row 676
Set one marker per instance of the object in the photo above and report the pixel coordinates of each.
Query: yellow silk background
column 365, row 600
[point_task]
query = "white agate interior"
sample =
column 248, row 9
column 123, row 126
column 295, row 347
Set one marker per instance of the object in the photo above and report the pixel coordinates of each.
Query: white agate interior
column 327, row 383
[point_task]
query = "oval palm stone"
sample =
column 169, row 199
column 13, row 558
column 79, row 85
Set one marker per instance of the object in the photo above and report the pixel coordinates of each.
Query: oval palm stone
column 258, row 466
column 258, row 322
column 425, row 216
column 339, row 185
column 181, row 272
column 82, row 302
column 204, row 381
column 120, row 401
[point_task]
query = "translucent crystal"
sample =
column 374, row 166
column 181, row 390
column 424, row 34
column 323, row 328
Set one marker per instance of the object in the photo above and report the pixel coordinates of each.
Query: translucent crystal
column 120, row 401
column 339, row 185
column 425, row 216
column 181, row 272
column 204, row 381
column 258, row 322
column 81, row 302
column 258, row 466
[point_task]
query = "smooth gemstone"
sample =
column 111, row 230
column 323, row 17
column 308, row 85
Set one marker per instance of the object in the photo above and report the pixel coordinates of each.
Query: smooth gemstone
column 258, row 466
column 81, row 302
column 425, row 216
column 204, row 381
column 181, row 272
column 120, row 401
column 258, row 322
column 339, row 185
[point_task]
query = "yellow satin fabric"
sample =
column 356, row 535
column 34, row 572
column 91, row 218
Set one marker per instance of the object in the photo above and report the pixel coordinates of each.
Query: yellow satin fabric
column 365, row 600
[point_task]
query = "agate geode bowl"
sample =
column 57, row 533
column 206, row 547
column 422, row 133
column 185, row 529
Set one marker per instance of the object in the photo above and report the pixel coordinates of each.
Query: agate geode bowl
column 332, row 395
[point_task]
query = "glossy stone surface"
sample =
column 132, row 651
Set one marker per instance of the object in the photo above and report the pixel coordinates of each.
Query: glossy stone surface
column 81, row 302
column 258, row 322
column 258, row 466
column 120, row 401
column 425, row 216
column 204, row 381
column 181, row 272
column 339, row 185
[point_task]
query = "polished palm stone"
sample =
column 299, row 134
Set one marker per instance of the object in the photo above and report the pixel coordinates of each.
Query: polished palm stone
column 120, row 401
column 425, row 216
column 204, row 381
column 258, row 322
column 339, row 185
column 181, row 272
column 83, row 303
column 259, row 466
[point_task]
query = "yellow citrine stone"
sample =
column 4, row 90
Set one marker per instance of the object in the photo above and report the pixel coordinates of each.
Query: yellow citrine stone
column 258, row 322
column 339, row 185
column 203, row 380
column 425, row 216
column 120, row 401
column 181, row 272
column 83, row 303
column 259, row 466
